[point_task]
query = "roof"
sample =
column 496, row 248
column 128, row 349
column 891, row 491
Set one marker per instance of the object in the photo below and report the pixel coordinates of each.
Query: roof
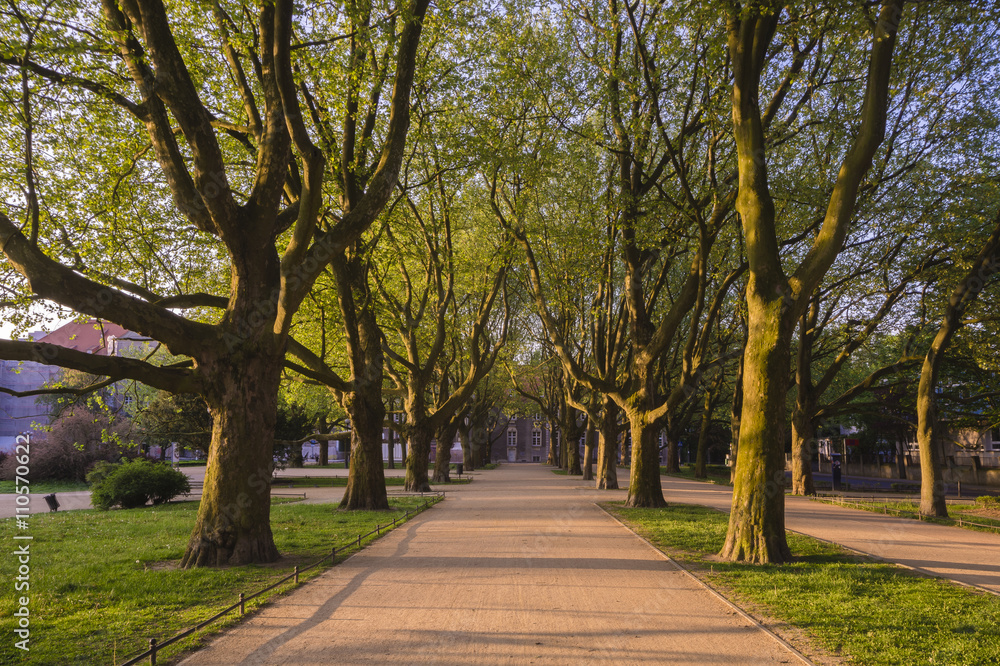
column 90, row 336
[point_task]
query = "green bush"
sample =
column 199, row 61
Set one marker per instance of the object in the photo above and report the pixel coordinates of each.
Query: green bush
column 133, row 483
column 988, row 501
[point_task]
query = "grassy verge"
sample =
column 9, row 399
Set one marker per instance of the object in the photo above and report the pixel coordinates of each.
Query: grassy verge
column 959, row 515
column 341, row 481
column 557, row 470
column 717, row 474
column 103, row 583
column 46, row 486
column 872, row 613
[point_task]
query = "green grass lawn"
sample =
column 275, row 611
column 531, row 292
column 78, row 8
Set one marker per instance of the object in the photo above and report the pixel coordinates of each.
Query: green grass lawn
column 870, row 612
column 46, row 486
column 104, row 582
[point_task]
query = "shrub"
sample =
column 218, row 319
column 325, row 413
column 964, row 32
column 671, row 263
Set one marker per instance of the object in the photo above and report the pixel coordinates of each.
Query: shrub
column 131, row 484
column 988, row 501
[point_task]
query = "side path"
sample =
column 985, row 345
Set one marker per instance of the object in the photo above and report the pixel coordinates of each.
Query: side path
column 519, row 567
column 962, row 555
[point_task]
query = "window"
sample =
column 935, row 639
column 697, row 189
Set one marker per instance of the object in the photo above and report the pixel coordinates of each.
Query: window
column 536, row 437
column 512, row 438
column 995, row 435
column 127, row 400
column 536, row 459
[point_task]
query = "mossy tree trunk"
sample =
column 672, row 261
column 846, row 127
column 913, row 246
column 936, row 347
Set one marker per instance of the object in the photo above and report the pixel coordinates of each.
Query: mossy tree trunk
column 776, row 301
column 233, row 523
column 757, row 518
column 644, row 488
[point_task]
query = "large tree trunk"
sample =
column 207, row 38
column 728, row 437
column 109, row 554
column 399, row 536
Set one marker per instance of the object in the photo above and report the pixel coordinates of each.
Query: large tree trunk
column 363, row 404
column 774, row 301
column 757, row 519
column 607, row 447
column 233, row 524
column 366, row 479
column 442, row 461
column 418, row 460
column 644, row 489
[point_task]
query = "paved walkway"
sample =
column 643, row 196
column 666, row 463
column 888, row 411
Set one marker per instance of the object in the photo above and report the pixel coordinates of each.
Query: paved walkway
column 519, row 567
column 963, row 555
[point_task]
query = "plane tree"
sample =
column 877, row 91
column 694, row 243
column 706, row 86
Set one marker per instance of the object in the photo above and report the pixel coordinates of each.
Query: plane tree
column 775, row 298
column 214, row 144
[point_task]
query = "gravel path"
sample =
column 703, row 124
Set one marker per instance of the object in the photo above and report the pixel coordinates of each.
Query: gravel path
column 520, row 567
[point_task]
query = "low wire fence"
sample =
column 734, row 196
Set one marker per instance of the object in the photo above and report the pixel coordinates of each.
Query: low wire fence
column 155, row 646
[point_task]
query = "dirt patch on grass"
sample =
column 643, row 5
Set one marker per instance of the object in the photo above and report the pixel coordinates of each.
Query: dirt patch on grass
column 984, row 513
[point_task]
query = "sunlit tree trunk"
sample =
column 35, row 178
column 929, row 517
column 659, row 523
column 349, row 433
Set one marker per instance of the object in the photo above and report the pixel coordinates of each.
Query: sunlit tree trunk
column 775, row 301
column 757, row 518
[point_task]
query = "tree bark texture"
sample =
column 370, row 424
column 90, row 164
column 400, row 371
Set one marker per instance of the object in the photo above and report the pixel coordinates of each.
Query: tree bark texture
column 469, row 457
column 607, row 447
column 233, row 524
column 757, row 518
column 644, row 489
column 418, row 461
column 442, row 463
